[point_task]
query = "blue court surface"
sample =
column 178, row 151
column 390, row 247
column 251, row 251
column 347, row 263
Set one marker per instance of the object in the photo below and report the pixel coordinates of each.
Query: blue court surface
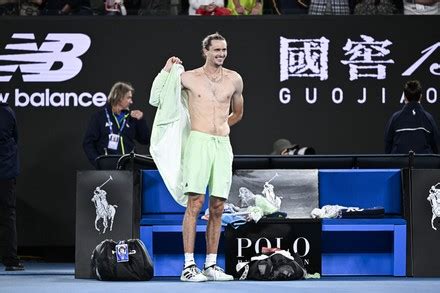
column 59, row 277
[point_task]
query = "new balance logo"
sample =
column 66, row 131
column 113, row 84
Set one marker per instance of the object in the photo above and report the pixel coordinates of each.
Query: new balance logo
column 36, row 64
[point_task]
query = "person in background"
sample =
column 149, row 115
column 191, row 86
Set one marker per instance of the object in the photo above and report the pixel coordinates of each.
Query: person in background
column 421, row 7
column 114, row 128
column 284, row 147
column 207, row 7
column 412, row 128
column 9, row 170
column 9, row 7
column 245, row 7
column 329, row 7
column 376, row 7
column 67, row 7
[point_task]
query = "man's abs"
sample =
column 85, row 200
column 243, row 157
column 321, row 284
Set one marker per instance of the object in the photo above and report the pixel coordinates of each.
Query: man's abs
column 209, row 102
column 211, row 120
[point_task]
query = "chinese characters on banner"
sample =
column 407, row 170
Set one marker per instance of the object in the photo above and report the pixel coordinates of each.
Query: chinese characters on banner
column 366, row 57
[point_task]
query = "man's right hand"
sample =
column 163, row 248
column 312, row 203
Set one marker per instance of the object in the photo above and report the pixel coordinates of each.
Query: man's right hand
column 170, row 62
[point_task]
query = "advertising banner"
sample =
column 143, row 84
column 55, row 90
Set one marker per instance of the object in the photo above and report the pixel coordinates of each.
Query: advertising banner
column 293, row 192
column 327, row 82
column 297, row 236
column 425, row 218
column 105, row 209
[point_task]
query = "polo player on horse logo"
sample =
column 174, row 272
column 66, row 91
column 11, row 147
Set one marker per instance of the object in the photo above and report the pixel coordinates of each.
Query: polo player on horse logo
column 104, row 210
column 269, row 193
column 434, row 199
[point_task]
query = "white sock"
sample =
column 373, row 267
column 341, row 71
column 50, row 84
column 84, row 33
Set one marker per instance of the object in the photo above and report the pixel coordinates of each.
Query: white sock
column 211, row 259
column 189, row 260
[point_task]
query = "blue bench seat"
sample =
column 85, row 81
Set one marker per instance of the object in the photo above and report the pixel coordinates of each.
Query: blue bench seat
column 373, row 246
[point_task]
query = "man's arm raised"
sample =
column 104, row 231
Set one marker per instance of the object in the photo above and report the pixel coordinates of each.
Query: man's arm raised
column 170, row 62
column 159, row 81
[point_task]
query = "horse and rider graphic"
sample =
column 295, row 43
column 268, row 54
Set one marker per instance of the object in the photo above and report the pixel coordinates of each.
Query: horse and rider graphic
column 434, row 200
column 104, row 211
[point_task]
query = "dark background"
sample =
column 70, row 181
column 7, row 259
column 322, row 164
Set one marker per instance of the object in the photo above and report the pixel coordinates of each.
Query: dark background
column 135, row 49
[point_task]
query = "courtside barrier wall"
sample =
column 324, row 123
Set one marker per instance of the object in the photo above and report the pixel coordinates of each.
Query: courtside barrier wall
column 349, row 246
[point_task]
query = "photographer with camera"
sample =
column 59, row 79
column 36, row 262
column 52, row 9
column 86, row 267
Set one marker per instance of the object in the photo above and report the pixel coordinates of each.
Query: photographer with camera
column 284, row 147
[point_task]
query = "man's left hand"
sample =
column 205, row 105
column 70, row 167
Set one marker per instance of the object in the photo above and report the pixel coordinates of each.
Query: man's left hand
column 137, row 114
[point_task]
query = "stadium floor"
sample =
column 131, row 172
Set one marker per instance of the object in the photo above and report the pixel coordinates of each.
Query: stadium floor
column 59, row 277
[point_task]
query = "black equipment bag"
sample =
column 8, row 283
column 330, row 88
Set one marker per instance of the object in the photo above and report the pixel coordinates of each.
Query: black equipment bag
column 137, row 267
column 279, row 266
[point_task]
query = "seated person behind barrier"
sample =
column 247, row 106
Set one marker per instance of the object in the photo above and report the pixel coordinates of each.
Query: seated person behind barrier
column 412, row 128
column 375, row 7
column 329, row 7
column 284, row 147
column 31, row 7
column 290, row 6
column 67, row 7
column 8, row 7
column 208, row 7
column 115, row 7
column 421, row 7
column 154, row 7
column 245, row 7
column 114, row 128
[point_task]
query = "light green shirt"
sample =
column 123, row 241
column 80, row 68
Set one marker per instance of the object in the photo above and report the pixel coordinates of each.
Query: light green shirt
column 170, row 130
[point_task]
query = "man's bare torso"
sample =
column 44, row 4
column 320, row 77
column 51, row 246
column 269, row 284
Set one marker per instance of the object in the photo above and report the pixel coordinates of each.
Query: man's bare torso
column 209, row 99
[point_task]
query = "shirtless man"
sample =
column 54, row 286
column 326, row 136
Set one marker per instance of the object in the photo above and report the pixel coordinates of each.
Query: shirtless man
column 215, row 103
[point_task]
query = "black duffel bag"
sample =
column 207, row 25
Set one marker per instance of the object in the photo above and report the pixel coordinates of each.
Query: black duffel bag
column 279, row 266
column 126, row 260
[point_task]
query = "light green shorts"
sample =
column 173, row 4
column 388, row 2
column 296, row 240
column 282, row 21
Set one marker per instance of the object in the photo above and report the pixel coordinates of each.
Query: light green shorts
column 207, row 161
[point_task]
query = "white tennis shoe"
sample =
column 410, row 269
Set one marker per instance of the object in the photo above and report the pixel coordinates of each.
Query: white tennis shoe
column 215, row 273
column 192, row 274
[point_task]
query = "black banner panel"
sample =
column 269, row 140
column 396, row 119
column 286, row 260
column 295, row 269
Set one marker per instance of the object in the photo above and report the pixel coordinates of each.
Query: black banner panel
column 302, row 236
column 425, row 217
column 330, row 83
column 105, row 209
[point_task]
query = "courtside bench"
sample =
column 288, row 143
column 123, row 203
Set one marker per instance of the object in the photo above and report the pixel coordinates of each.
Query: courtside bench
column 363, row 246
column 349, row 247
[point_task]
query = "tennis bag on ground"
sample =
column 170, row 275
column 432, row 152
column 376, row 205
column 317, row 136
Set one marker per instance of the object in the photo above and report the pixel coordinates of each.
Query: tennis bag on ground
column 126, row 260
column 279, row 266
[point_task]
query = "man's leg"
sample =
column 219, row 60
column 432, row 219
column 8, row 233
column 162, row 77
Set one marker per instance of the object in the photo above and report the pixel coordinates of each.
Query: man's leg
column 211, row 270
column 190, row 272
column 213, row 230
column 195, row 203
column 8, row 231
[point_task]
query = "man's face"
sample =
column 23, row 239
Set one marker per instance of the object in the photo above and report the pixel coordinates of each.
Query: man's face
column 217, row 52
column 126, row 101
